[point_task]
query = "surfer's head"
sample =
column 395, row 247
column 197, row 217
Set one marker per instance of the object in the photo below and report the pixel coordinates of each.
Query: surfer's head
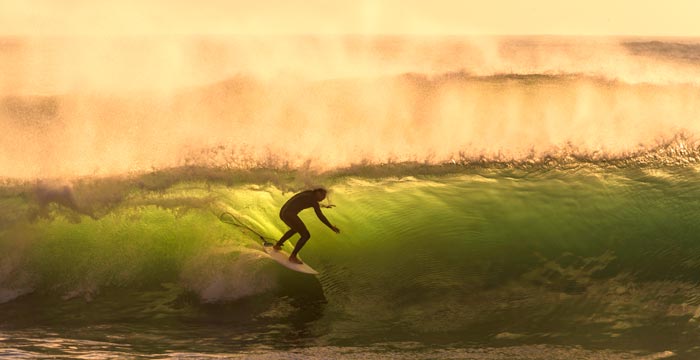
column 320, row 194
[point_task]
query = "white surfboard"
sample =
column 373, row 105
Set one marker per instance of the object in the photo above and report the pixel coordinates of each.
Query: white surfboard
column 283, row 258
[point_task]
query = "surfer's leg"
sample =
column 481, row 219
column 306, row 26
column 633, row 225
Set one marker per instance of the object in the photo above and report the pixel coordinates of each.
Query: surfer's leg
column 300, row 244
column 290, row 221
column 284, row 238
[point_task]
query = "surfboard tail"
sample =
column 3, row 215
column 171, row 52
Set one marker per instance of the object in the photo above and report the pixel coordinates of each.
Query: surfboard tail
column 282, row 258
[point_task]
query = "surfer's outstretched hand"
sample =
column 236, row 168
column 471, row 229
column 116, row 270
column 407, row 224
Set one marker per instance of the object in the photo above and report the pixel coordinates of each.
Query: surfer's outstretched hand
column 335, row 229
column 328, row 206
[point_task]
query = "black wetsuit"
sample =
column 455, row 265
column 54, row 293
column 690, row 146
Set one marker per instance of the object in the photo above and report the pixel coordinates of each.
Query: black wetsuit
column 290, row 215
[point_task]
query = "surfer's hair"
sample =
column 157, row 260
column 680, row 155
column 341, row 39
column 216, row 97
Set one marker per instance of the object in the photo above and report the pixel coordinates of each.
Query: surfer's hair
column 323, row 190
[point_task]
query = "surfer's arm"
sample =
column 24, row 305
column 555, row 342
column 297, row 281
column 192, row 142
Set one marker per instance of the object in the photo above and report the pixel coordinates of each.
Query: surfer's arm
column 322, row 217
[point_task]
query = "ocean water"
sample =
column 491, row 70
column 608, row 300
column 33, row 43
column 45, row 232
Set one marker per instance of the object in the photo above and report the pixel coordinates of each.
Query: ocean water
column 549, row 214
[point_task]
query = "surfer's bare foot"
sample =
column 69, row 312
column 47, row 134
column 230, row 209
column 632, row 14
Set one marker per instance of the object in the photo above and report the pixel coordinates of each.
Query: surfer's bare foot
column 277, row 247
column 295, row 260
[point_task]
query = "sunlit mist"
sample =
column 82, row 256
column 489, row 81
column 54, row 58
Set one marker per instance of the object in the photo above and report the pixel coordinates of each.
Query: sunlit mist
column 98, row 88
column 438, row 17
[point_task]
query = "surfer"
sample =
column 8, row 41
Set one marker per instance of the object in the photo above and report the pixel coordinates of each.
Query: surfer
column 290, row 215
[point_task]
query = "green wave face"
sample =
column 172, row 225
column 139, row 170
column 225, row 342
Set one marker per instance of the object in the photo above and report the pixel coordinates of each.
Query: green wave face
column 585, row 254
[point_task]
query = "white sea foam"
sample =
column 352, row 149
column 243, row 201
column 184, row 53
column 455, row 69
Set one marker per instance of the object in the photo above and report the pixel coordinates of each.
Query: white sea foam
column 225, row 275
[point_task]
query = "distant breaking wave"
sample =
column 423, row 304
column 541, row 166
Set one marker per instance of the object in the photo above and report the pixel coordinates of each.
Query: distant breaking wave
column 330, row 103
column 670, row 51
column 332, row 124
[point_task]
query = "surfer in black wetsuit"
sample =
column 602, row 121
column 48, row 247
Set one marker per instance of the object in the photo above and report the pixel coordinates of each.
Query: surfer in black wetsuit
column 289, row 214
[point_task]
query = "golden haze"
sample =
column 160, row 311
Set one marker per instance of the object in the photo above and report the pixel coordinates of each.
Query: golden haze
column 87, row 106
column 367, row 17
column 110, row 87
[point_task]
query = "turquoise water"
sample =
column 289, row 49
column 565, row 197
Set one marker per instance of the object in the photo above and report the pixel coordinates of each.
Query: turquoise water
column 578, row 259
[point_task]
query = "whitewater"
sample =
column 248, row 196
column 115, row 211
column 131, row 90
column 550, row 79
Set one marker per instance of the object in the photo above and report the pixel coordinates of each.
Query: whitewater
column 498, row 198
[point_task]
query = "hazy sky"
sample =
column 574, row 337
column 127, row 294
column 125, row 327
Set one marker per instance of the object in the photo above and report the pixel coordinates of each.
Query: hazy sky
column 490, row 17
